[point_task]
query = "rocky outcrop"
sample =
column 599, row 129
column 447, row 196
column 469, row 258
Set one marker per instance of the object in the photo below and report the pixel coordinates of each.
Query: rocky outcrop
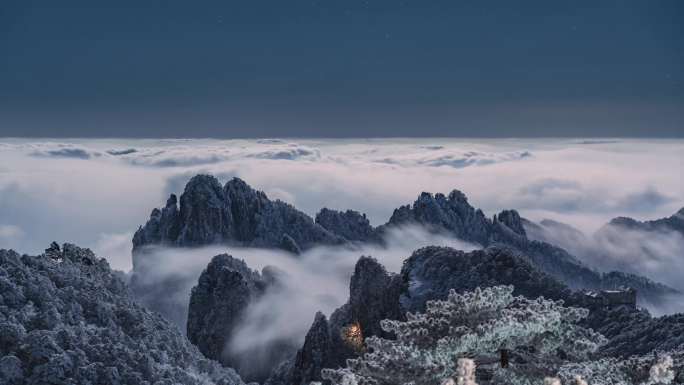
column 350, row 224
column 233, row 214
column 67, row 318
column 452, row 213
column 218, row 304
column 511, row 219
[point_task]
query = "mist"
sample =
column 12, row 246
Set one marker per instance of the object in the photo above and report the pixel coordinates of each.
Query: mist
column 316, row 280
column 97, row 192
column 656, row 254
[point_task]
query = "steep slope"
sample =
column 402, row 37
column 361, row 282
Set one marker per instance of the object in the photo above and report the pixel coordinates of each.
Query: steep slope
column 67, row 318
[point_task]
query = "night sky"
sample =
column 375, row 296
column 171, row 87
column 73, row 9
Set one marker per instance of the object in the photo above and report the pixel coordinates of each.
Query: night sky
column 349, row 68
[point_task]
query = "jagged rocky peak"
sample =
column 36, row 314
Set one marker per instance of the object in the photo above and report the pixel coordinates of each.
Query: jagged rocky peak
column 452, row 213
column 71, row 320
column 204, row 217
column 233, row 214
column 314, row 355
column 349, row 224
column 218, row 303
column 512, row 220
column 373, row 296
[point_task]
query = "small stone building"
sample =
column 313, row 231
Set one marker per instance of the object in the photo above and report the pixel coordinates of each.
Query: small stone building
column 610, row 299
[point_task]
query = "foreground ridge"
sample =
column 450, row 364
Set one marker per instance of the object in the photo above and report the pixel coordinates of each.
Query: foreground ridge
column 67, row 318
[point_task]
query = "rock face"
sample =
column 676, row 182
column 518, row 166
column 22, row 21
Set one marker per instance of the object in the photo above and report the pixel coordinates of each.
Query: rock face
column 218, row 304
column 232, row 214
column 68, row 319
column 350, row 224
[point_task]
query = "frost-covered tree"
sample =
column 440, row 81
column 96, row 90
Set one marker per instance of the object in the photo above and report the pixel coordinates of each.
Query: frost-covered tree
column 66, row 318
column 641, row 370
column 465, row 373
column 661, row 372
column 538, row 337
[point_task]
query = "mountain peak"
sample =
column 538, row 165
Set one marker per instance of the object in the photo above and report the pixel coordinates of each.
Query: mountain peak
column 233, row 214
column 458, row 196
column 512, row 220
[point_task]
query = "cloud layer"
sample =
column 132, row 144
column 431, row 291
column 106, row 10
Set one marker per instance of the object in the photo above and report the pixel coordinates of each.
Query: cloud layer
column 96, row 192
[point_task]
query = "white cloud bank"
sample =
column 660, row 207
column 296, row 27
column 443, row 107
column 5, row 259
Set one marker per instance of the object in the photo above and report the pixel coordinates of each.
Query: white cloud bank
column 96, row 192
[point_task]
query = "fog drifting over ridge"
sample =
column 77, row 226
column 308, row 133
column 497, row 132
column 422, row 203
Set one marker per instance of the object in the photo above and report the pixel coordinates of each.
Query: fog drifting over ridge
column 96, row 192
column 316, row 280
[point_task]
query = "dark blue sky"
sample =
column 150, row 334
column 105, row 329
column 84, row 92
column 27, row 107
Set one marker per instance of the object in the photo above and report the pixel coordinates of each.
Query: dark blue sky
column 341, row 68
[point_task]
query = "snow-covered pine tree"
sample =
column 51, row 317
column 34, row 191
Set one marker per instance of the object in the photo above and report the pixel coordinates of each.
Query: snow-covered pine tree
column 636, row 370
column 539, row 335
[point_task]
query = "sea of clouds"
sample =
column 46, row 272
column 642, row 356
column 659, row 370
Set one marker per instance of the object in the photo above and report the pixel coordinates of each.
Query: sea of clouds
column 97, row 192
